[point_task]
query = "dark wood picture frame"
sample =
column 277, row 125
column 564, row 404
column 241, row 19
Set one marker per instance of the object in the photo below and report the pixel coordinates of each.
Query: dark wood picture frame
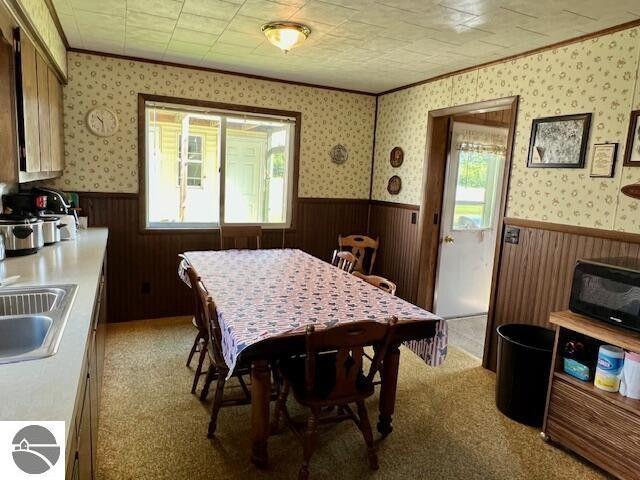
column 586, row 127
column 614, row 157
column 634, row 127
column 394, row 185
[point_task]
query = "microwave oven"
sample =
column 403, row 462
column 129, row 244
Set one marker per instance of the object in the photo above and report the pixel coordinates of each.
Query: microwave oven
column 608, row 289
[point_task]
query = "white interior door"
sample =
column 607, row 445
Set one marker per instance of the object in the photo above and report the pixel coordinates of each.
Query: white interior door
column 470, row 210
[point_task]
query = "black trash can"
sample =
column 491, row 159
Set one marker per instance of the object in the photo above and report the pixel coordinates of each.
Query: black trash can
column 524, row 361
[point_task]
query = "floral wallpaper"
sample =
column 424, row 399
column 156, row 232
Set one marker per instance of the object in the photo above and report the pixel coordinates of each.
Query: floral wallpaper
column 597, row 75
column 46, row 28
column 111, row 164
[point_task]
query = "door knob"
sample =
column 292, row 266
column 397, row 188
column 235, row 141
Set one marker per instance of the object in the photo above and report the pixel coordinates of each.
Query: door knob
column 448, row 239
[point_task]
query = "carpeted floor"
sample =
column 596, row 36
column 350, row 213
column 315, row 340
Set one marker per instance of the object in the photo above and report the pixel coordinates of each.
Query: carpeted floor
column 446, row 424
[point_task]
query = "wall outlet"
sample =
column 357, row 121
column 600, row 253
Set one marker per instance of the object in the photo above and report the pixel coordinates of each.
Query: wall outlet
column 414, row 218
column 512, row 235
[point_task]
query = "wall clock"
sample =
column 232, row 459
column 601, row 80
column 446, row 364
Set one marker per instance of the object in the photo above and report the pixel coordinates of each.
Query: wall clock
column 102, row 122
column 339, row 154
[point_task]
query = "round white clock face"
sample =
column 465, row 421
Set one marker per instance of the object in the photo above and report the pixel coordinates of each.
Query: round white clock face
column 102, row 122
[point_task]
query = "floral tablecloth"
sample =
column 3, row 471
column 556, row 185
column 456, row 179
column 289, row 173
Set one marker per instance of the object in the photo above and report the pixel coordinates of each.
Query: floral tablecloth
column 265, row 293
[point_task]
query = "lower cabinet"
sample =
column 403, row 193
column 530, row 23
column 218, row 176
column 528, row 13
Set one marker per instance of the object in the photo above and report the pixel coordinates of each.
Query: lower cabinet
column 81, row 464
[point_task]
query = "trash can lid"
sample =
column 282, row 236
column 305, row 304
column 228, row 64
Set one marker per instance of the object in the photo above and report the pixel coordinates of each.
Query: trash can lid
column 528, row 336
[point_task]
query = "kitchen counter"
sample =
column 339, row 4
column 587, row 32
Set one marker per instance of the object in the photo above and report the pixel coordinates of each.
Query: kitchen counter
column 46, row 389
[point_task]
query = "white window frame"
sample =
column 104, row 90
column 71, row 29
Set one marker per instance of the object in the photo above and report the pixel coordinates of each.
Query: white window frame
column 223, row 111
column 201, row 161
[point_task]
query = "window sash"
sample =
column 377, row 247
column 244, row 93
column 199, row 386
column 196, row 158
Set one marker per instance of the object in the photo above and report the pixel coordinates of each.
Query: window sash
column 224, row 115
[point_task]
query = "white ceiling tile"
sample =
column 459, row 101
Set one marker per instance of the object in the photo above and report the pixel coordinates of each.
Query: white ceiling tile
column 150, row 22
column 115, row 8
column 211, row 8
column 202, row 24
column 63, row 7
column 242, row 39
column 267, row 10
column 184, row 35
column 226, row 49
column 187, row 48
column 71, row 30
column 161, row 8
column 370, row 44
column 324, row 13
column 138, row 36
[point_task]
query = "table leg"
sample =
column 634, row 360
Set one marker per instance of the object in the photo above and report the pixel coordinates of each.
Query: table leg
column 389, row 376
column 260, row 395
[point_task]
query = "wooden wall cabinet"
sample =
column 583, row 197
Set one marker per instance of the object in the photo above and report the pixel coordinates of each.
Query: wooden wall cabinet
column 81, row 462
column 40, row 121
column 600, row 426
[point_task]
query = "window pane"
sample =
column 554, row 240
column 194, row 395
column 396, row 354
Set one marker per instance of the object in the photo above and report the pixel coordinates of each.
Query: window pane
column 256, row 171
column 475, row 189
column 170, row 201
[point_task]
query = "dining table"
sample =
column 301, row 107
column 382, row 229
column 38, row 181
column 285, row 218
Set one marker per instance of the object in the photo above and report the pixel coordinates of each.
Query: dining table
column 266, row 298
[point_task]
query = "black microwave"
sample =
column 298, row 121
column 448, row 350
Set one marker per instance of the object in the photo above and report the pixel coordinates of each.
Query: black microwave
column 608, row 289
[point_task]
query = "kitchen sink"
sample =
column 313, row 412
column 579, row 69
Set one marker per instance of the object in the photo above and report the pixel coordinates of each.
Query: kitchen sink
column 32, row 320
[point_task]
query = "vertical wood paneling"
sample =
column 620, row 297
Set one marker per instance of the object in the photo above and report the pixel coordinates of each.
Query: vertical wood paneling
column 143, row 282
column 398, row 256
column 536, row 274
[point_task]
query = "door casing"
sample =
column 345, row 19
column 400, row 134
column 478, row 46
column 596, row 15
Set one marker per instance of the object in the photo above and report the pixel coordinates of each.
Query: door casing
column 436, row 159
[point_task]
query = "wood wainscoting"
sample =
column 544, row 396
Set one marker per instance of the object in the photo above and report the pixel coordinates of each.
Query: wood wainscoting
column 143, row 281
column 398, row 255
column 535, row 275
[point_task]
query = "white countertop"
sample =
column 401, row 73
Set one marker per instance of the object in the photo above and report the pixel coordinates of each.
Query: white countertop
column 45, row 389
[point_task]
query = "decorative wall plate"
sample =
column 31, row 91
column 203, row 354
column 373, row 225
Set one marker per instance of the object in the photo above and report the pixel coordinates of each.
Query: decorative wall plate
column 395, row 185
column 632, row 190
column 339, row 154
column 102, row 122
column 397, row 157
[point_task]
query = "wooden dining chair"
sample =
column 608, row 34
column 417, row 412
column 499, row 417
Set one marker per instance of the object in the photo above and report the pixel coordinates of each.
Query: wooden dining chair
column 377, row 281
column 343, row 260
column 202, row 337
column 247, row 237
column 331, row 374
column 218, row 369
column 364, row 248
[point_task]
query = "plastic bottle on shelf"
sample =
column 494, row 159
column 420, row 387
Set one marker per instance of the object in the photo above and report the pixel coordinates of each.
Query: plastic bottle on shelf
column 609, row 368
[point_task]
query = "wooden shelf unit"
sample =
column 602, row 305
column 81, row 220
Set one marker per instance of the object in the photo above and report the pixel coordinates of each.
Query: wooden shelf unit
column 602, row 427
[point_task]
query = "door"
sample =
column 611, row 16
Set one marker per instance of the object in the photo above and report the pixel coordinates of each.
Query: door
column 244, row 178
column 470, row 211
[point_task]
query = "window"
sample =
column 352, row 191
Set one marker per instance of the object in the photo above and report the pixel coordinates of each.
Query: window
column 193, row 161
column 206, row 166
column 477, row 179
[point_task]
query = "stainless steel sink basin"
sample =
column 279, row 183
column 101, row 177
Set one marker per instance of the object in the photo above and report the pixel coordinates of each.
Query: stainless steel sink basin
column 32, row 320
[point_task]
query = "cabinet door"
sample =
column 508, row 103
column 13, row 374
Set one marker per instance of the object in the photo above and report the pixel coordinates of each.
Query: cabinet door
column 85, row 467
column 42, row 71
column 29, row 83
column 56, row 122
column 8, row 136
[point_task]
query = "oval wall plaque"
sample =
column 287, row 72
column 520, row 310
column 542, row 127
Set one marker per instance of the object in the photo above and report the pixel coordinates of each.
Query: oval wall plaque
column 397, row 157
column 395, row 185
column 632, row 190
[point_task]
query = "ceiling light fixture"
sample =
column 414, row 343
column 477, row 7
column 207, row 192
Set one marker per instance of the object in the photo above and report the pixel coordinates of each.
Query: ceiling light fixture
column 285, row 35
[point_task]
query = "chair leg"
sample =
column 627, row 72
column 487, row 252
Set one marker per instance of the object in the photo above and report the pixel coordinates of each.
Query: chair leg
column 217, row 403
column 196, row 377
column 310, row 440
column 279, row 407
column 365, row 428
column 211, row 373
column 193, row 350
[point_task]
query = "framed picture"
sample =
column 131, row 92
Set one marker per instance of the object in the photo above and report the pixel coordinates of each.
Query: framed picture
column 632, row 152
column 559, row 142
column 603, row 159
